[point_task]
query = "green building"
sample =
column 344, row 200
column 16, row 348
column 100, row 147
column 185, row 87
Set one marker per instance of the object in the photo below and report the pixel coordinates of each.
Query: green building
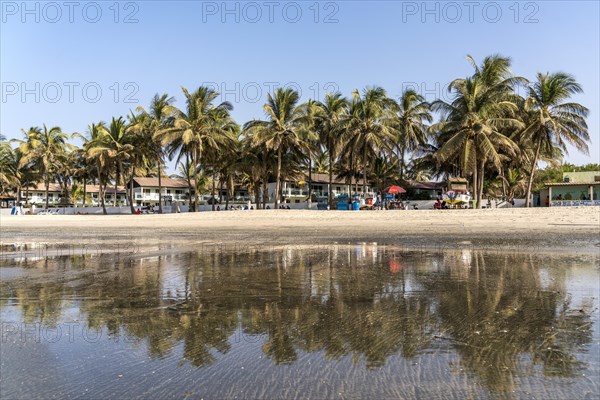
column 576, row 189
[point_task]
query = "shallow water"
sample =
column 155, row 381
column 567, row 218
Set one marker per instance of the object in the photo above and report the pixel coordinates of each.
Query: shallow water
column 362, row 321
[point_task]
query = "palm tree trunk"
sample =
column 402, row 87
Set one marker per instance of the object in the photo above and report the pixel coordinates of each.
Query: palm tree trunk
column 309, row 178
column 117, row 173
column 47, row 182
column 365, row 171
column 531, row 174
column 190, row 190
column 401, row 162
column 475, row 183
column 100, row 189
column 159, row 163
column 329, row 188
column 102, row 192
column 130, row 191
column 503, row 182
column 277, row 178
column 265, row 191
column 265, row 182
column 213, row 190
column 257, row 196
column 476, row 178
column 480, row 185
column 227, row 193
column 195, row 166
column 84, row 190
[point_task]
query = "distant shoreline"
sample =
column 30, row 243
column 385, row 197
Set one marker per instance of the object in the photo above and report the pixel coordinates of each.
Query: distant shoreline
column 571, row 229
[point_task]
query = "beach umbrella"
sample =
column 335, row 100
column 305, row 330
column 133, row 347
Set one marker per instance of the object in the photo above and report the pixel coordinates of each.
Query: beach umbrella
column 393, row 190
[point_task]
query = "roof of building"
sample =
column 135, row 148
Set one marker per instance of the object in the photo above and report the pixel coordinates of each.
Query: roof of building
column 572, row 184
column 165, row 182
column 41, row 187
column 424, row 185
column 324, row 178
column 55, row 187
column 109, row 189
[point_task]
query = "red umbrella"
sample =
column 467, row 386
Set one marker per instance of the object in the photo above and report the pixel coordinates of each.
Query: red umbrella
column 393, row 190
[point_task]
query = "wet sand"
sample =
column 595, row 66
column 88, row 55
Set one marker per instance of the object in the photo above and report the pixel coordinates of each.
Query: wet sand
column 572, row 228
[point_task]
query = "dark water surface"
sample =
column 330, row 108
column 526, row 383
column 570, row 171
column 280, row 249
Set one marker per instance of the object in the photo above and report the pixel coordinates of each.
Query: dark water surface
column 362, row 321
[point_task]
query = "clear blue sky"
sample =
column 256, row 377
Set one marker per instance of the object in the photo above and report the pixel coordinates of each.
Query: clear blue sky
column 53, row 51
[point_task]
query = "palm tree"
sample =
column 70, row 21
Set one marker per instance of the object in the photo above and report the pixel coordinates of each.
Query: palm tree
column 310, row 114
column 198, row 181
column 483, row 109
column 280, row 132
column 369, row 126
column 321, row 162
column 8, row 166
column 554, row 120
column 44, row 147
column 84, row 170
column 159, row 117
column 96, row 151
column 330, row 128
column 255, row 169
column 117, row 142
column 203, row 129
column 383, row 171
column 66, row 166
column 142, row 157
column 409, row 121
column 513, row 182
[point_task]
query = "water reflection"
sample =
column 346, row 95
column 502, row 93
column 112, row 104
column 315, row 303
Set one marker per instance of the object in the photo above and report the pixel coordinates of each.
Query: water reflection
column 498, row 317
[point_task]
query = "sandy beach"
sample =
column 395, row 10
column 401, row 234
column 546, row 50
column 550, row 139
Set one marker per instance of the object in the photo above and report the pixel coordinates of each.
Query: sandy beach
column 565, row 228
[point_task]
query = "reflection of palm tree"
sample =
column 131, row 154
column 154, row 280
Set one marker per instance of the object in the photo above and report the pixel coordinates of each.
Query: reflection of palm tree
column 279, row 346
column 494, row 313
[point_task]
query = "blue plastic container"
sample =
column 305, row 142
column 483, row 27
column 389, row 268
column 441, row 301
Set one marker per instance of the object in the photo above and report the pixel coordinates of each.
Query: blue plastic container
column 355, row 205
column 343, row 203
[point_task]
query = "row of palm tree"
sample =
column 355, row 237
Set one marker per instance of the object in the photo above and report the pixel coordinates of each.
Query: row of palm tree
column 487, row 133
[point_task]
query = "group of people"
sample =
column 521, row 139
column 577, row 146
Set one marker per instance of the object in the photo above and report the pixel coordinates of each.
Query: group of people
column 235, row 208
column 440, row 205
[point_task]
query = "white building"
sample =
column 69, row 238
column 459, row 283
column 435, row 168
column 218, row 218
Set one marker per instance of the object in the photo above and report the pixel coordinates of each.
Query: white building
column 296, row 191
column 174, row 191
column 36, row 194
column 93, row 193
